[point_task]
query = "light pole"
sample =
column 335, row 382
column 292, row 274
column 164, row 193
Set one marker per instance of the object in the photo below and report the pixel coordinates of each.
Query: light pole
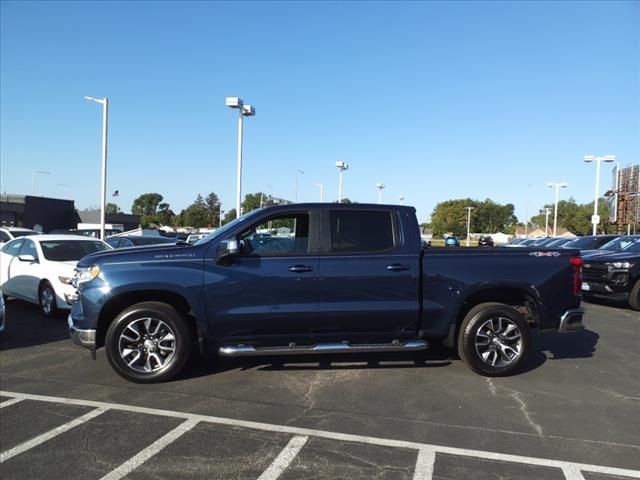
column 468, row 223
column 557, row 186
column 296, row 195
column 105, row 123
column 401, row 198
column 342, row 166
column 380, row 187
column 219, row 214
column 321, row 191
column 33, row 179
column 243, row 111
column 595, row 219
column 546, row 212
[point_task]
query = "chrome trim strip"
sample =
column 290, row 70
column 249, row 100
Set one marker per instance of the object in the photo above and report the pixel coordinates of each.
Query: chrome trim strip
column 248, row 350
column 571, row 320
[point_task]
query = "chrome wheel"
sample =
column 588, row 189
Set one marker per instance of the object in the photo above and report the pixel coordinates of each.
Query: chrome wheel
column 498, row 342
column 147, row 345
column 47, row 299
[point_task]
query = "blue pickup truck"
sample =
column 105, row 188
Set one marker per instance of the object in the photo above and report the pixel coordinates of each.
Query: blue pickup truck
column 320, row 278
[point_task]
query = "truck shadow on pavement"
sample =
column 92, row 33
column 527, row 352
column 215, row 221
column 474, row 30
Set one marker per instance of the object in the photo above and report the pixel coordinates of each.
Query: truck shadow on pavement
column 436, row 356
column 552, row 347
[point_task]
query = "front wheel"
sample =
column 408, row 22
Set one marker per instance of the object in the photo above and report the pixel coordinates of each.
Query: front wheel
column 47, row 300
column 494, row 339
column 148, row 342
column 634, row 296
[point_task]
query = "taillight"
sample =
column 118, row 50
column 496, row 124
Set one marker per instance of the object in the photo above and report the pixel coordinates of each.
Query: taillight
column 576, row 263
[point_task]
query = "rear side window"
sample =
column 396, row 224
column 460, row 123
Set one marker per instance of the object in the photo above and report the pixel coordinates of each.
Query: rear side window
column 70, row 250
column 361, row 231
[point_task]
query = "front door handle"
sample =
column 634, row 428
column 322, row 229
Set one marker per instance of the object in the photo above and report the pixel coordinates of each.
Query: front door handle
column 300, row 268
column 396, row 267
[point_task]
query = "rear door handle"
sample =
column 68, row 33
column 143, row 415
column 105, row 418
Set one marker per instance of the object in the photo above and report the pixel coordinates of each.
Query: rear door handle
column 396, row 267
column 300, row 268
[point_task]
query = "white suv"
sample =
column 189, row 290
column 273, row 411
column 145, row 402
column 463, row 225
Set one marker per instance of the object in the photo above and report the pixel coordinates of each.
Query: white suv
column 9, row 233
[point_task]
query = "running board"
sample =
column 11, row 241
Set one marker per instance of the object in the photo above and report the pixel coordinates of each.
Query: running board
column 293, row 349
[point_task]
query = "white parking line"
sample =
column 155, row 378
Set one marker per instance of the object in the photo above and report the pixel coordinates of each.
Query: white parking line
column 34, row 442
column 424, row 464
column 283, row 460
column 145, row 454
column 345, row 437
column 572, row 473
column 11, row 401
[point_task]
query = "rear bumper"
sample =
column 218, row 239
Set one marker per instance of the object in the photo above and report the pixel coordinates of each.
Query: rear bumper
column 571, row 320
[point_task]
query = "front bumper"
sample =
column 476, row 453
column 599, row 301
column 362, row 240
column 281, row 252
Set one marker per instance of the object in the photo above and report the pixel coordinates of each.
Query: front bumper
column 84, row 338
column 571, row 320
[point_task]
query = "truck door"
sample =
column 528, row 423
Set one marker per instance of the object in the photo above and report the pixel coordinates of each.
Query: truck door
column 270, row 288
column 368, row 279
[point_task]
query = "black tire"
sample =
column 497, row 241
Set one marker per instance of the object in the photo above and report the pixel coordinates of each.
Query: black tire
column 47, row 300
column 150, row 356
column 508, row 340
column 634, row 296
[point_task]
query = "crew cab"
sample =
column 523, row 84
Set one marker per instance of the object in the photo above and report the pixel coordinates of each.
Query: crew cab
column 320, row 278
column 614, row 275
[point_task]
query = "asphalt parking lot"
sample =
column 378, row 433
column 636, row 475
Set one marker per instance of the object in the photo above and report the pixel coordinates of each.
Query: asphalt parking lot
column 573, row 413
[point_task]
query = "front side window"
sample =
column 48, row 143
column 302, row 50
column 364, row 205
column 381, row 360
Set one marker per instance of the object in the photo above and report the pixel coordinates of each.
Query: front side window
column 277, row 236
column 361, row 231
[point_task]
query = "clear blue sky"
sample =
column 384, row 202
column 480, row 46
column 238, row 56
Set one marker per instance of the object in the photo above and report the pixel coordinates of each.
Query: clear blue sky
column 438, row 100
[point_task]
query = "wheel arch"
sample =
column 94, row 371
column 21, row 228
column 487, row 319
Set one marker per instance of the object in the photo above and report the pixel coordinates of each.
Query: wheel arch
column 117, row 304
column 523, row 300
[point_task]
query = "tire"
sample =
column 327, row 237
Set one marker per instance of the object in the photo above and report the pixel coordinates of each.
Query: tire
column 148, row 342
column 634, row 296
column 47, row 300
column 494, row 340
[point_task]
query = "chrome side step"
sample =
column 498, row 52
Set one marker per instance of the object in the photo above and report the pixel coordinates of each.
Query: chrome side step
column 345, row 347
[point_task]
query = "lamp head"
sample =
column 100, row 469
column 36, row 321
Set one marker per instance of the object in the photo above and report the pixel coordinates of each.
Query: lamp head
column 248, row 111
column 609, row 158
column 380, row 185
column 233, row 102
column 589, row 158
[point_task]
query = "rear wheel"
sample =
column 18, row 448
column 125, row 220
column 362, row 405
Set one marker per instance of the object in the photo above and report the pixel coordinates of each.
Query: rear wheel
column 47, row 300
column 494, row 339
column 634, row 296
column 148, row 342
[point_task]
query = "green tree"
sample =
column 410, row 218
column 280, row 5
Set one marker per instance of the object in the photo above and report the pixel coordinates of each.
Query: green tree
column 113, row 208
column 196, row 215
column 146, row 204
column 451, row 216
column 229, row 216
column 165, row 215
column 576, row 217
column 491, row 217
column 252, row 201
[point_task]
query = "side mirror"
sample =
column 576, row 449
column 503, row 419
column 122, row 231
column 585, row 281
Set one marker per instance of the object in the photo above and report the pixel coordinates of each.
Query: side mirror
column 226, row 251
column 27, row 258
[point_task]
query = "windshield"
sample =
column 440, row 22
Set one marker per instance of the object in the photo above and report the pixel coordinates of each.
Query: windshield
column 634, row 247
column 222, row 230
column 617, row 244
column 69, row 250
column 24, row 233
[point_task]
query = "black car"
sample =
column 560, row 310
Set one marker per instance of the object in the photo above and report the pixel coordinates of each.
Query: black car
column 614, row 275
column 485, row 241
column 139, row 240
column 589, row 242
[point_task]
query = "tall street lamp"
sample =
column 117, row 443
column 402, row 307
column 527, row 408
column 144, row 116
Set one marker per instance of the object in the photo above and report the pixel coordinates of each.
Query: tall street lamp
column 526, row 222
column 243, row 111
column 342, row 166
column 321, row 191
column 546, row 212
column 468, row 223
column 380, row 187
column 33, row 179
column 105, row 122
column 595, row 219
column 557, row 186
column 296, row 193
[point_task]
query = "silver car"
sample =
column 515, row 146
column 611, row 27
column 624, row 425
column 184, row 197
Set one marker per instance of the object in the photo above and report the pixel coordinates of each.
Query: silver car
column 2, row 313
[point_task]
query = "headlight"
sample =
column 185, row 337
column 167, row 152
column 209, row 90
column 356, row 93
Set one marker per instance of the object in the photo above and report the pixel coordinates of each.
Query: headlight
column 621, row 264
column 65, row 280
column 84, row 275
